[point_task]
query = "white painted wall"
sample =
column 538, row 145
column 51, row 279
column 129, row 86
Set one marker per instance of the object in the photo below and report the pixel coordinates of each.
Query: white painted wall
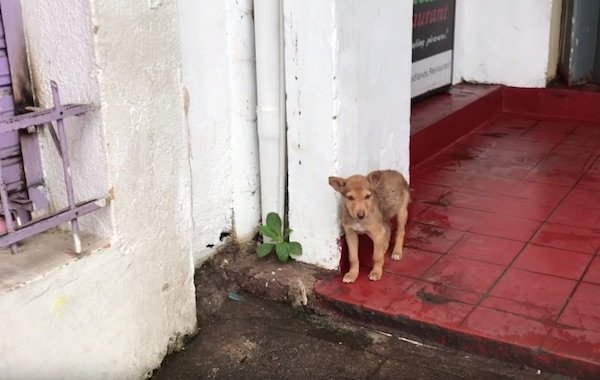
column 219, row 76
column 113, row 313
column 505, row 42
column 348, row 106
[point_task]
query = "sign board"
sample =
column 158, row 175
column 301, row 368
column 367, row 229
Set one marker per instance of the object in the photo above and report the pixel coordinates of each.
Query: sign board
column 433, row 45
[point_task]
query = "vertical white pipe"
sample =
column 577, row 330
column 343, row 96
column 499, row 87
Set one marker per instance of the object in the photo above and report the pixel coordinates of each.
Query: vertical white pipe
column 270, row 104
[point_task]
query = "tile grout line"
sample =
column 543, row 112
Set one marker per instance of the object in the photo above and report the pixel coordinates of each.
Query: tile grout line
column 509, row 266
column 558, row 203
column 576, row 287
column 591, row 158
column 561, row 311
column 457, row 141
column 442, row 255
column 483, row 193
column 556, row 322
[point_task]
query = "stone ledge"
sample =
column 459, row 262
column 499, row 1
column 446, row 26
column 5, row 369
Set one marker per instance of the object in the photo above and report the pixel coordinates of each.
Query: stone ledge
column 235, row 267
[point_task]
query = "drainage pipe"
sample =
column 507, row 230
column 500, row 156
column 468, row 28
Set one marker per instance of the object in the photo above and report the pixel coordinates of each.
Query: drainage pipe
column 268, row 32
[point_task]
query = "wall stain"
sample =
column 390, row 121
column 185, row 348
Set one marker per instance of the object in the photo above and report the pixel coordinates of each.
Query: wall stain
column 59, row 304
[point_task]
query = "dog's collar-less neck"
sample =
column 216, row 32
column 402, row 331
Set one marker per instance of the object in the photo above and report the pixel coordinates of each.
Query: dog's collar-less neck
column 357, row 226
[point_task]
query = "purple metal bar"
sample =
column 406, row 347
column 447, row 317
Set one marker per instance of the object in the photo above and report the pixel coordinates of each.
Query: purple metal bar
column 64, row 154
column 33, row 228
column 45, row 117
column 22, row 91
column 32, row 167
column 55, row 138
column 42, row 117
column 6, row 209
column 17, row 54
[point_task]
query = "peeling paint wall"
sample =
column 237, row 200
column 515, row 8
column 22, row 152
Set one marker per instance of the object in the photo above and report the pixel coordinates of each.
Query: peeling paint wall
column 219, row 77
column 348, row 106
column 313, row 146
column 506, row 42
column 114, row 313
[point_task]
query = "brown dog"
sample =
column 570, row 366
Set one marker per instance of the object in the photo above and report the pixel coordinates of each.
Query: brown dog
column 369, row 205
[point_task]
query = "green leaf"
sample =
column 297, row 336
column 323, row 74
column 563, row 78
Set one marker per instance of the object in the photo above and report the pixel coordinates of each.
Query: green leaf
column 268, row 232
column 264, row 249
column 287, row 233
column 274, row 222
column 283, row 253
column 295, row 248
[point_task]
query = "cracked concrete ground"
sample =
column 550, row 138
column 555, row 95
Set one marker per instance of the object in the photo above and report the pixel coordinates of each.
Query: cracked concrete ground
column 257, row 338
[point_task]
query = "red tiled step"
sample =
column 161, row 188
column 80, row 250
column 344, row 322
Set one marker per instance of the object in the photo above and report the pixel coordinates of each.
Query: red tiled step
column 502, row 251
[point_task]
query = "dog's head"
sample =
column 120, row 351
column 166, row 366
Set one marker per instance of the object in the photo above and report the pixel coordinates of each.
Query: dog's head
column 357, row 191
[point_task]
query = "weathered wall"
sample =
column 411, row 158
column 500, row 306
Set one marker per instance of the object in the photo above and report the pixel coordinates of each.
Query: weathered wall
column 348, row 106
column 63, row 52
column 114, row 313
column 555, row 30
column 505, row 42
column 219, row 77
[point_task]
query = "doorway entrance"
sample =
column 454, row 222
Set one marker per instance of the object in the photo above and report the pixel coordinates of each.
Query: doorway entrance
column 580, row 42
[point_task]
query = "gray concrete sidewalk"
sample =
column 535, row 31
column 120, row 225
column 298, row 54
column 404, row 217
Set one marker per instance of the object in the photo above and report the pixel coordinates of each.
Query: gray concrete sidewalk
column 255, row 338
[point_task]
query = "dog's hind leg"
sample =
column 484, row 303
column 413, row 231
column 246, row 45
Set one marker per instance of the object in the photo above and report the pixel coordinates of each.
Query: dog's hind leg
column 401, row 218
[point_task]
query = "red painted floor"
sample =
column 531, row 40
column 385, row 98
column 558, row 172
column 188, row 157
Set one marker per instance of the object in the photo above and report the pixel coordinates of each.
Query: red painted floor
column 502, row 254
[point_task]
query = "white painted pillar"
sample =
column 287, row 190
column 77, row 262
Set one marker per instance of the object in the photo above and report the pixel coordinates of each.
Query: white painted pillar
column 348, row 65
column 270, row 110
column 244, row 136
column 219, row 76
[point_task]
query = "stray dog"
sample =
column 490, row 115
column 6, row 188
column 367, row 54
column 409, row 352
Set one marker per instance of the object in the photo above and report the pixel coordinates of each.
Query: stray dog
column 369, row 204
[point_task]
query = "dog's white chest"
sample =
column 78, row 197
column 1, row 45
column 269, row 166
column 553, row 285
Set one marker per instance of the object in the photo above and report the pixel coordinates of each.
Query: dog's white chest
column 358, row 228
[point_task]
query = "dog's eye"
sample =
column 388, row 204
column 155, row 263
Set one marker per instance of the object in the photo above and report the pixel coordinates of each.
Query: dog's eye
column 350, row 197
column 368, row 196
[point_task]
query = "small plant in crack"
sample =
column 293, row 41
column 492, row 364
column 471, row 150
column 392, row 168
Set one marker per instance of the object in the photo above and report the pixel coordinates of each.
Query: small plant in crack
column 278, row 240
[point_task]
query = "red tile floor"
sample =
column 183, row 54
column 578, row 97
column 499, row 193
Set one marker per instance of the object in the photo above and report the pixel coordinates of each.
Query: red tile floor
column 502, row 254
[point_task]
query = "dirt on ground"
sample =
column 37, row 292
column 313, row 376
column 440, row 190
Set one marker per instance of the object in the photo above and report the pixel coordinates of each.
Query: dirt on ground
column 245, row 336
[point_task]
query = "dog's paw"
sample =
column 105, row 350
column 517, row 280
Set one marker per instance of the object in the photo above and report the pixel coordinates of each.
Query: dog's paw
column 375, row 275
column 397, row 256
column 350, row 277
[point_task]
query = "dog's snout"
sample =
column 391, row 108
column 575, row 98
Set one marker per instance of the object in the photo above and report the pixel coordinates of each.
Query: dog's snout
column 360, row 214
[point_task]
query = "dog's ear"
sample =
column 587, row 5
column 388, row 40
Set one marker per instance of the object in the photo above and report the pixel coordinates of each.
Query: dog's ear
column 374, row 177
column 337, row 183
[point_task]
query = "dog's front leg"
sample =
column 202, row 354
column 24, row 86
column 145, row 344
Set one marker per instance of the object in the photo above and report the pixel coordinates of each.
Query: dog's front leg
column 381, row 241
column 352, row 241
column 402, row 217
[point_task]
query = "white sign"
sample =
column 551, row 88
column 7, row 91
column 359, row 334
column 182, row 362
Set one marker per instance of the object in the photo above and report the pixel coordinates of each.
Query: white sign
column 433, row 43
column 431, row 73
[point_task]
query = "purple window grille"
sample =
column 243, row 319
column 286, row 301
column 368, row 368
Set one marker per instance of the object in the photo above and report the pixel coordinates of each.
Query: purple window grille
column 21, row 174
